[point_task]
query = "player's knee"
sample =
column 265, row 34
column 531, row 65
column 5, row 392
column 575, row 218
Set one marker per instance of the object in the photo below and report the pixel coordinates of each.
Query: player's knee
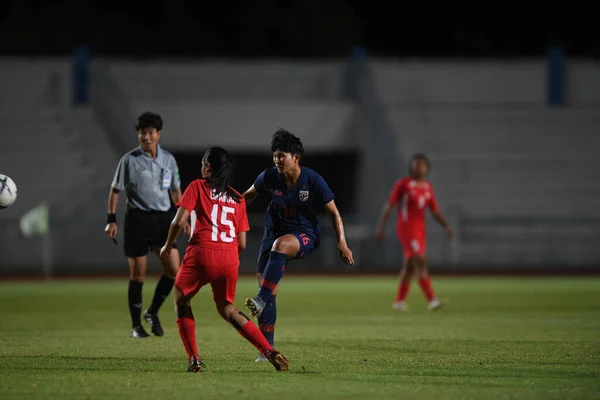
column 407, row 271
column 419, row 265
column 178, row 295
column 181, row 300
column 137, row 269
column 225, row 310
column 171, row 267
column 184, row 311
column 285, row 246
column 172, row 272
column 280, row 247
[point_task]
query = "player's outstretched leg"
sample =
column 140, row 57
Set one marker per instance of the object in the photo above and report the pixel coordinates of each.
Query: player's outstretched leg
column 264, row 305
column 187, row 331
column 252, row 334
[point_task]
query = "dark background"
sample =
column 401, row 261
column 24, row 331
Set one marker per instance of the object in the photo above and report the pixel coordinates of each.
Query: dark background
column 293, row 29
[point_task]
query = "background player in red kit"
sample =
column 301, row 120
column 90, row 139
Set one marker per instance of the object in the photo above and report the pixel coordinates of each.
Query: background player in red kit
column 413, row 195
column 219, row 225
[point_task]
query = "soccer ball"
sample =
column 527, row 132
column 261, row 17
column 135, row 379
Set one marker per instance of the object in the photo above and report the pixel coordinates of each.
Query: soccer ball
column 8, row 191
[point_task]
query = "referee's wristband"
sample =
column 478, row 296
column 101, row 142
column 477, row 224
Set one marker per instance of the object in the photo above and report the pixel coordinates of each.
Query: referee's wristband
column 111, row 218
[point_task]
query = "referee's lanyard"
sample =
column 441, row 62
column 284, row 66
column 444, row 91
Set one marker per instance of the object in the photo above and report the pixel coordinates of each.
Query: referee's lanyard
column 165, row 178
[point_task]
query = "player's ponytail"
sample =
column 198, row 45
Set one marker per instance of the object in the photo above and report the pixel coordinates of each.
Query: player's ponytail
column 221, row 167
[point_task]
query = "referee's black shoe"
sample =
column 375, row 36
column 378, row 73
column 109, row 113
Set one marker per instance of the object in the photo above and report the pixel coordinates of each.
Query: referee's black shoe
column 139, row 332
column 154, row 322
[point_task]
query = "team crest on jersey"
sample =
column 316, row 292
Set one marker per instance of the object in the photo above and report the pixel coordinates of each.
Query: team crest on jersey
column 303, row 195
column 278, row 193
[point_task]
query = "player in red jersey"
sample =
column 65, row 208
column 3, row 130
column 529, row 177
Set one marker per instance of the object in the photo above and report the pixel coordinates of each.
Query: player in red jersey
column 219, row 226
column 412, row 196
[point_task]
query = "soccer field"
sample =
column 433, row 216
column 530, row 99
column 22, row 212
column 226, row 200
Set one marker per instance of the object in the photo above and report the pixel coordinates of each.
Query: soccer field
column 498, row 338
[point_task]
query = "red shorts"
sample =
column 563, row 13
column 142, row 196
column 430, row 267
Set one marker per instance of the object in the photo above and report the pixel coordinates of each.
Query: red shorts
column 201, row 266
column 413, row 243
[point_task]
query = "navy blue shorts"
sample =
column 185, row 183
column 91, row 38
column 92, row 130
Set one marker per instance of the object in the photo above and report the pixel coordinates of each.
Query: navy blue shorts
column 308, row 244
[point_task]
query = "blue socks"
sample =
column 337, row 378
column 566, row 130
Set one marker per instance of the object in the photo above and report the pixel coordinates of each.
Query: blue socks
column 272, row 275
column 270, row 279
column 266, row 321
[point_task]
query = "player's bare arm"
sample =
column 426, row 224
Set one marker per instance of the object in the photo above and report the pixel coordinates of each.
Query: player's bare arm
column 383, row 219
column 176, row 196
column 177, row 225
column 113, row 200
column 241, row 237
column 439, row 218
column 250, row 195
column 338, row 225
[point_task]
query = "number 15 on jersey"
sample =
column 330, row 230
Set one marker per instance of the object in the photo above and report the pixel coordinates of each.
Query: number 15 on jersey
column 228, row 235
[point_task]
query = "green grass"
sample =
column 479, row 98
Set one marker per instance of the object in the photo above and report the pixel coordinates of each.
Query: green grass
column 497, row 339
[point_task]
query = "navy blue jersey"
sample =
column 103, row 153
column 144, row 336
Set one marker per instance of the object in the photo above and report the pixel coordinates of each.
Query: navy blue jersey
column 295, row 209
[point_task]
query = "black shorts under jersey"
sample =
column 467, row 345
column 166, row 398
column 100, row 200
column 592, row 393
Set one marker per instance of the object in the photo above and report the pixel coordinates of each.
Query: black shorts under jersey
column 144, row 230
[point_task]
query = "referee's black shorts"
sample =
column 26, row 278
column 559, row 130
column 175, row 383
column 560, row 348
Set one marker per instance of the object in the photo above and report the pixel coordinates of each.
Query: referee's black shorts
column 144, row 230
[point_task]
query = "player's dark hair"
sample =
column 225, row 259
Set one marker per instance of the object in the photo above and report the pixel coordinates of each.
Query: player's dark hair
column 287, row 142
column 418, row 156
column 149, row 120
column 221, row 167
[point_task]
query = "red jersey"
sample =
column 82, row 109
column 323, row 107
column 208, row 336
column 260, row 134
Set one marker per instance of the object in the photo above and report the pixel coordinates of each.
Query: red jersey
column 216, row 219
column 412, row 200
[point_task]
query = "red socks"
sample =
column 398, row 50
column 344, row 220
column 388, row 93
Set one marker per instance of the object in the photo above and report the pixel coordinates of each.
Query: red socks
column 187, row 331
column 402, row 291
column 251, row 333
column 425, row 284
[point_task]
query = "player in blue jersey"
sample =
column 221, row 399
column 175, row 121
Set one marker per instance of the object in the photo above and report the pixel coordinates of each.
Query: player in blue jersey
column 291, row 223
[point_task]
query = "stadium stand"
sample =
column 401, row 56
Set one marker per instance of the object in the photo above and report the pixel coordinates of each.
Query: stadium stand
column 516, row 176
column 40, row 149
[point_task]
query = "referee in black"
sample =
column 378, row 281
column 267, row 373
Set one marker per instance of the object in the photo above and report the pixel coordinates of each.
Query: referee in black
column 150, row 177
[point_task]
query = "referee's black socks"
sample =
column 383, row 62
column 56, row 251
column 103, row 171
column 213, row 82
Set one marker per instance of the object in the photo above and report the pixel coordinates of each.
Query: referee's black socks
column 135, row 302
column 163, row 289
